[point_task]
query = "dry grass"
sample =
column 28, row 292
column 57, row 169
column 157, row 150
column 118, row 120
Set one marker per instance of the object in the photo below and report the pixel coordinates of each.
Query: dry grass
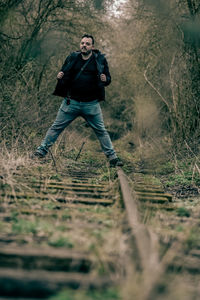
column 11, row 161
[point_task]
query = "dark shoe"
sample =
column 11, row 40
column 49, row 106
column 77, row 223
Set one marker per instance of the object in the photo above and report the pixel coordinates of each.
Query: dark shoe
column 116, row 162
column 39, row 153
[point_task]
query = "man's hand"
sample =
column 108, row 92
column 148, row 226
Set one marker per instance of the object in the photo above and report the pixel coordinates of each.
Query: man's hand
column 60, row 75
column 103, row 77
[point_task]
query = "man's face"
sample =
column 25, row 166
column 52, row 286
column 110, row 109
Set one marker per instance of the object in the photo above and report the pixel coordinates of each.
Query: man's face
column 86, row 46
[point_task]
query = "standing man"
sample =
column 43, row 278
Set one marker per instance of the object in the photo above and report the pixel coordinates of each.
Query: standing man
column 81, row 82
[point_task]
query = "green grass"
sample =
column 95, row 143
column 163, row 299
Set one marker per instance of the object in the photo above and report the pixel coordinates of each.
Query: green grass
column 180, row 179
column 179, row 228
column 108, row 294
column 179, row 173
column 49, row 205
column 57, row 177
column 66, row 216
column 193, row 239
column 23, row 226
column 60, row 242
column 166, row 168
column 183, row 212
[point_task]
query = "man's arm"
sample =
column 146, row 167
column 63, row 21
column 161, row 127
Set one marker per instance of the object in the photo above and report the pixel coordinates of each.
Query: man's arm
column 61, row 73
column 105, row 76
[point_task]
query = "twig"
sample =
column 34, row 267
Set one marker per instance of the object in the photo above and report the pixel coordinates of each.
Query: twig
column 80, row 151
column 54, row 162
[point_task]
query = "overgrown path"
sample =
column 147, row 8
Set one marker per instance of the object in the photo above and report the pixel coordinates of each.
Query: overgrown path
column 88, row 229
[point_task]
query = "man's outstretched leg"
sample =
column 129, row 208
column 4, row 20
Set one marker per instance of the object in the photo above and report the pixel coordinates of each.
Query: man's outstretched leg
column 93, row 115
column 66, row 114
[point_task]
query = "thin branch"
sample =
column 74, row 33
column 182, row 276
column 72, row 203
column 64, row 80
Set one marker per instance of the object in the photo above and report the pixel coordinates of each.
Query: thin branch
column 197, row 168
column 54, row 161
column 10, row 37
column 80, row 151
column 155, row 89
column 172, row 83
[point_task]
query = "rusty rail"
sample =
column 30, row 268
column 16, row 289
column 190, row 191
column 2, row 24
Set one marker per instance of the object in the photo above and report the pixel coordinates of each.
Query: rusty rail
column 145, row 239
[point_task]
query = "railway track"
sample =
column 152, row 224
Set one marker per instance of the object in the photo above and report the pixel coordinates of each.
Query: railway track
column 76, row 230
column 52, row 232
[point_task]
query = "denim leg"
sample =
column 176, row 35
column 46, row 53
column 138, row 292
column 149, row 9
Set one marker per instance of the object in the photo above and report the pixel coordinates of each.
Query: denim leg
column 91, row 111
column 66, row 114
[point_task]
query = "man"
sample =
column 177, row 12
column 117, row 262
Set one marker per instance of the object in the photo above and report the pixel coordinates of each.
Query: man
column 81, row 82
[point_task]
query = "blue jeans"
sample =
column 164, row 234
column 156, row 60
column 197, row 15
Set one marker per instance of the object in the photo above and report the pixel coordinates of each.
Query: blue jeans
column 91, row 112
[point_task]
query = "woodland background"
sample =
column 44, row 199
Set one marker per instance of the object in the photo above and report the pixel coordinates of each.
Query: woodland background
column 152, row 112
column 152, row 47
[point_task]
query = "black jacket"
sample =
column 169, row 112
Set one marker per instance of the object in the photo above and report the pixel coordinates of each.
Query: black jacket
column 63, row 85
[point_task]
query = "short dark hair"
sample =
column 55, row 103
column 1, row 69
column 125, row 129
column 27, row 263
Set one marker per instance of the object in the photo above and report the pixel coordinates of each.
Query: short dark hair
column 89, row 36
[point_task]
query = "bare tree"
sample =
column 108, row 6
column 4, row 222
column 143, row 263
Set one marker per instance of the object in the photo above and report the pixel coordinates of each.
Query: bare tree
column 36, row 37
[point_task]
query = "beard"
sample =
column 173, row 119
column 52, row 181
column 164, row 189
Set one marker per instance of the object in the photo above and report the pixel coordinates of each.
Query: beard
column 84, row 52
